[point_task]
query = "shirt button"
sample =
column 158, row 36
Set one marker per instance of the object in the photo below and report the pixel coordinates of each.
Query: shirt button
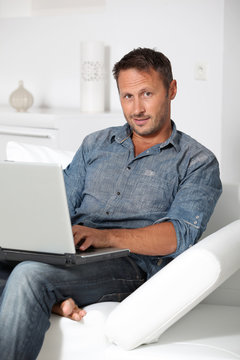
column 118, row 193
column 129, row 167
column 107, row 212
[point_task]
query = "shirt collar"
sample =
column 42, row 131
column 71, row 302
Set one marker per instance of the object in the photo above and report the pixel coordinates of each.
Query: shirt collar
column 173, row 139
column 123, row 133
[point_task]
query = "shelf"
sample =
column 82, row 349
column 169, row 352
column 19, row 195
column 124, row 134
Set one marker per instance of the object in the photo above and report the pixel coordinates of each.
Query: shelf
column 50, row 118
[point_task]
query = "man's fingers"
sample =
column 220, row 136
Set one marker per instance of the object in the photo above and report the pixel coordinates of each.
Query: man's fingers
column 80, row 237
column 85, row 244
column 78, row 243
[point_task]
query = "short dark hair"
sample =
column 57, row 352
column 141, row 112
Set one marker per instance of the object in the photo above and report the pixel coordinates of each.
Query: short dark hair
column 145, row 59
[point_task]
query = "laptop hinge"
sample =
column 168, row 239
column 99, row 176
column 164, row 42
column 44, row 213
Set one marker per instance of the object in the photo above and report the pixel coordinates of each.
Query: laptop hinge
column 70, row 259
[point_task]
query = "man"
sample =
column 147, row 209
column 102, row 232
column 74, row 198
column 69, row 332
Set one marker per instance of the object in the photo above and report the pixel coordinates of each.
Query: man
column 143, row 186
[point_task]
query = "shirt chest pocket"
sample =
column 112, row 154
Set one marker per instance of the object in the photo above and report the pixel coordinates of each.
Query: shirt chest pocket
column 153, row 193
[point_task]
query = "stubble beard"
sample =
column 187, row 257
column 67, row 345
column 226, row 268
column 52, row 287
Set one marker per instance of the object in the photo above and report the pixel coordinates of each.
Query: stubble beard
column 154, row 127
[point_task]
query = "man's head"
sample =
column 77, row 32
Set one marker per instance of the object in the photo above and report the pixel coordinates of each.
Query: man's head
column 146, row 89
column 144, row 59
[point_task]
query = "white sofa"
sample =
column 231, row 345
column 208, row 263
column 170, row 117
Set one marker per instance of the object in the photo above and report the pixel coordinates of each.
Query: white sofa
column 189, row 310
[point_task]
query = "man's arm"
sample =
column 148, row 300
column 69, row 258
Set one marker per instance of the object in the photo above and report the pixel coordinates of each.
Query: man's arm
column 158, row 239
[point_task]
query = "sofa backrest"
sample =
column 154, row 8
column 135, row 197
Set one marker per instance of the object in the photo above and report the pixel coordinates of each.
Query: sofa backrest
column 17, row 151
column 226, row 211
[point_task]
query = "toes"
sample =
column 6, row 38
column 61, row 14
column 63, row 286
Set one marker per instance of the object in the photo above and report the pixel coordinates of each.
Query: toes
column 69, row 309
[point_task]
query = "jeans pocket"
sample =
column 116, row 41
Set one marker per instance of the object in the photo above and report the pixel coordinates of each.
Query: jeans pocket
column 140, row 274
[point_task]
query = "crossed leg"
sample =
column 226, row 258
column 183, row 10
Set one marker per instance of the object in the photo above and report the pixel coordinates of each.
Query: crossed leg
column 33, row 288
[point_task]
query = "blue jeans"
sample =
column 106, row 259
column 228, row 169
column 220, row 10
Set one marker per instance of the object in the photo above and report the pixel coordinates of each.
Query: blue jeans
column 33, row 288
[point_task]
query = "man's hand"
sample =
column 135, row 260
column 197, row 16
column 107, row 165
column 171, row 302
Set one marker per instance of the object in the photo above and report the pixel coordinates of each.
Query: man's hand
column 84, row 237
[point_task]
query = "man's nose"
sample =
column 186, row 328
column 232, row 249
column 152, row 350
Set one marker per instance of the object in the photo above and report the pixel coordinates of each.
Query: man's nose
column 139, row 107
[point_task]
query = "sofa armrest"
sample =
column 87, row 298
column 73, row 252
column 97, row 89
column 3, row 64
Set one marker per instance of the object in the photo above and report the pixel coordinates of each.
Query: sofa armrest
column 143, row 316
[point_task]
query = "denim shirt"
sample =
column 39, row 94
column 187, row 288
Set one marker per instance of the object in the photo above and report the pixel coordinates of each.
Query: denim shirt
column 108, row 187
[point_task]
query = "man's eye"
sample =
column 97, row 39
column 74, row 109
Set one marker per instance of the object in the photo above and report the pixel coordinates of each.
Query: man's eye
column 128, row 96
column 147, row 93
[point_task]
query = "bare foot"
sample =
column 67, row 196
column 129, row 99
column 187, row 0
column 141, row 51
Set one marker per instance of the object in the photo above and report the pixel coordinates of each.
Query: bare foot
column 69, row 309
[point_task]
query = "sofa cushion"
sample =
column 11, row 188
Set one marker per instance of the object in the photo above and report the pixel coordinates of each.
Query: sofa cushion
column 17, row 151
column 67, row 339
column 207, row 332
column 176, row 289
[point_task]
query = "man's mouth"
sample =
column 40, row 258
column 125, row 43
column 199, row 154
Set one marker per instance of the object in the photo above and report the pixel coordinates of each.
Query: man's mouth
column 140, row 121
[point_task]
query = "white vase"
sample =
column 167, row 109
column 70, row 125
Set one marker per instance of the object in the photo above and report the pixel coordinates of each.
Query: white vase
column 92, row 77
column 21, row 99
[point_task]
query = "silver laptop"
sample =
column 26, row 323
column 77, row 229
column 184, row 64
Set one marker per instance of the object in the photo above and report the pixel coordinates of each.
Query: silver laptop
column 34, row 217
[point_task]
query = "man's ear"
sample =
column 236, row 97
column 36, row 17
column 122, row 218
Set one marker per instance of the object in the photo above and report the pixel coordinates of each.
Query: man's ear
column 172, row 89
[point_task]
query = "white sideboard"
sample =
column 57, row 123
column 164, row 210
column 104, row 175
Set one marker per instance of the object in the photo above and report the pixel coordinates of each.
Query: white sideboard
column 57, row 128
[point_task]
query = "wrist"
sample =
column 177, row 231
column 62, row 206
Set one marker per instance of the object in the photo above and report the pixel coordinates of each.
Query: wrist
column 113, row 237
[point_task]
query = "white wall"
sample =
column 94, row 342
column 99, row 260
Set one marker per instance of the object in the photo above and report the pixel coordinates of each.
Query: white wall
column 230, row 103
column 44, row 51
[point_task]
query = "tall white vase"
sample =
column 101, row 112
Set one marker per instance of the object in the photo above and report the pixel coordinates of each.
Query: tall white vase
column 92, row 77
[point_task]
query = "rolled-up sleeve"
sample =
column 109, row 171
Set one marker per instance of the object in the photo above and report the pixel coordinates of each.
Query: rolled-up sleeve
column 194, row 202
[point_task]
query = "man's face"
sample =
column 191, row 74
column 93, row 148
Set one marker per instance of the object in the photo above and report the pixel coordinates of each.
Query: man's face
column 145, row 101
